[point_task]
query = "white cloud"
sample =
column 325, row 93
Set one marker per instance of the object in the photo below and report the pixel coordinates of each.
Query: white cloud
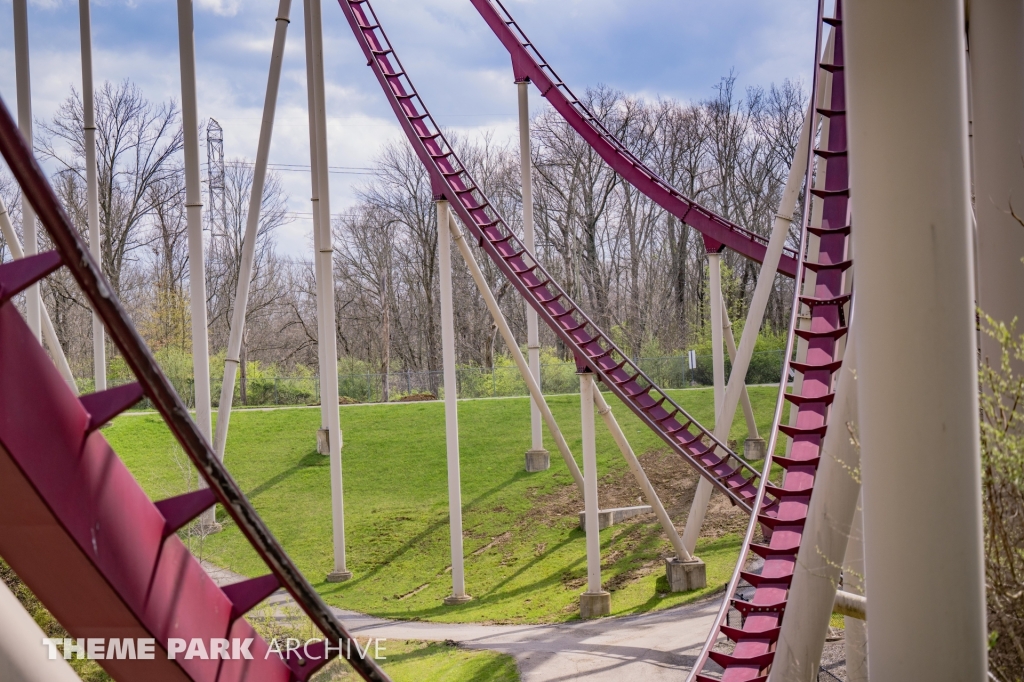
column 224, row 8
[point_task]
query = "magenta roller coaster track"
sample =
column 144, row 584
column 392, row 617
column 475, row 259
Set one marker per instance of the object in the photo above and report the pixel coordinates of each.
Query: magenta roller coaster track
column 107, row 561
column 528, row 64
column 78, row 528
column 592, row 347
column 756, row 639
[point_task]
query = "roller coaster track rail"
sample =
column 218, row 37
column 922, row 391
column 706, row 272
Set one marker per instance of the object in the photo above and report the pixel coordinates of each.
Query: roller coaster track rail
column 76, row 526
column 529, row 64
column 593, row 349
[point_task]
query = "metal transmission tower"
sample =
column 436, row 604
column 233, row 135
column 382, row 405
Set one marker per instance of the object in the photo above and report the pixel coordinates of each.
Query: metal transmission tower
column 215, row 176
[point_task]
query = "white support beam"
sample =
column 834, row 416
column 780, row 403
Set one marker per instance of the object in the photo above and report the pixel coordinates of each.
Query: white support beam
column 595, row 601
column 328, row 339
column 919, row 434
column 23, row 86
column 92, row 194
column 996, row 35
column 853, row 582
column 650, row 494
column 532, row 326
column 730, row 346
column 314, row 176
column 451, row 404
column 194, row 219
column 702, row 496
column 252, row 221
column 827, row 530
column 24, row 655
column 49, row 333
column 517, row 355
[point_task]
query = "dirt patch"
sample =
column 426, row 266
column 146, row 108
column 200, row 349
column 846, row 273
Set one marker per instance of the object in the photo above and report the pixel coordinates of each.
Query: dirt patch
column 345, row 400
column 674, row 481
column 416, row 397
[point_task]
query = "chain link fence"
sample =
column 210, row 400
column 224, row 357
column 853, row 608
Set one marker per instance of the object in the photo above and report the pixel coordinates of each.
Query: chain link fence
column 472, row 382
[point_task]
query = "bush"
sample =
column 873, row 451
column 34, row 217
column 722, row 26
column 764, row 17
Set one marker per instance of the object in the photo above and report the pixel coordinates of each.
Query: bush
column 1002, row 453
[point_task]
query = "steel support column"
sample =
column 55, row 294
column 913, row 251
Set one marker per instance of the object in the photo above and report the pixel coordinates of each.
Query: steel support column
column 451, row 404
column 997, row 97
column 907, row 113
column 328, row 340
column 532, row 328
column 252, row 220
column 92, row 193
column 194, row 218
column 23, row 85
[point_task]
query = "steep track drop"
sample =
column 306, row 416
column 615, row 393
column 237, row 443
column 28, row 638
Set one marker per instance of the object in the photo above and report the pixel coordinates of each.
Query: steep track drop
column 527, row 63
column 74, row 523
column 761, row 616
column 592, row 347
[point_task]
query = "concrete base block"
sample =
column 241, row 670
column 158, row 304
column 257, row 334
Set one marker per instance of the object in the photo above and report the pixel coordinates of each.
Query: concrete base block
column 595, row 604
column 538, row 460
column 339, row 576
column 684, row 576
column 754, row 448
column 606, row 518
column 456, row 599
column 323, row 441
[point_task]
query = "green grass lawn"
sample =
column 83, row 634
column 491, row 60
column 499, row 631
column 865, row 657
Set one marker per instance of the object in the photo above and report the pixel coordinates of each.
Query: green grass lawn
column 524, row 552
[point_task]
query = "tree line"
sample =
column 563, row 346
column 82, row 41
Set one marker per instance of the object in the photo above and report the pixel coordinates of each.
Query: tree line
column 636, row 270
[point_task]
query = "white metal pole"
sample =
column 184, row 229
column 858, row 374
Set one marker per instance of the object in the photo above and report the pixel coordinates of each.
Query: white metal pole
column 590, row 501
column 825, row 538
column 853, row 581
column 92, row 194
column 595, row 601
column 532, row 328
column 701, row 497
column 322, row 434
column 24, row 654
column 650, row 494
column 194, row 217
column 231, row 360
column 49, row 333
column 451, row 405
column 997, row 97
column 325, row 299
column 730, row 346
column 517, row 355
column 911, row 199
column 23, row 79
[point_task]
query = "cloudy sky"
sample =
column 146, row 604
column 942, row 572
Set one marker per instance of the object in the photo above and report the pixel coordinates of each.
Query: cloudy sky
column 668, row 48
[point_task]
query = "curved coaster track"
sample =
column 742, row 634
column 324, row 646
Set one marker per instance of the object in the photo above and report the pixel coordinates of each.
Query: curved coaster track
column 77, row 527
column 528, row 64
column 825, row 288
column 592, row 347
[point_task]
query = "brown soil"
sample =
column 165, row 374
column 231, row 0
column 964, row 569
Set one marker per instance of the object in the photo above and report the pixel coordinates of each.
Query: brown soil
column 345, row 400
column 416, row 397
column 674, row 481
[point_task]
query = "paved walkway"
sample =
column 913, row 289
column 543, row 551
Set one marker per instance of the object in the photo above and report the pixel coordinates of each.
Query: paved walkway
column 651, row 647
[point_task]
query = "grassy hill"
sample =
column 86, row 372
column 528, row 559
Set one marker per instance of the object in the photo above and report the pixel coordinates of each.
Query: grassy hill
column 525, row 555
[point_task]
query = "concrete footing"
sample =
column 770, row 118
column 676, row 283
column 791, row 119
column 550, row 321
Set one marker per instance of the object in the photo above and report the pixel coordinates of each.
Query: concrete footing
column 754, row 448
column 323, row 441
column 606, row 518
column 457, row 599
column 595, row 604
column 339, row 576
column 684, row 576
column 538, row 460
column 210, row 528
